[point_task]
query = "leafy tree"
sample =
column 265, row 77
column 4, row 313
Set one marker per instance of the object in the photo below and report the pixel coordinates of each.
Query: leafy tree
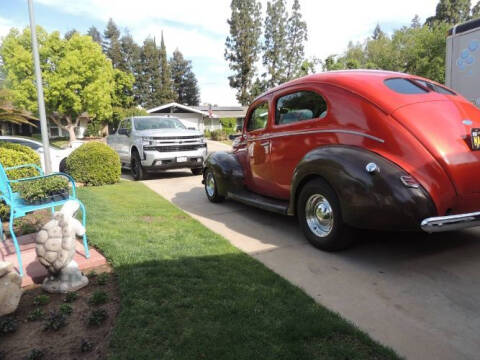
column 184, row 81
column 78, row 78
column 242, row 46
column 8, row 113
column 296, row 36
column 451, row 12
column 111, row 45
column 476, row 11
column 95, row 34
column 275, row 42
column 166, row 91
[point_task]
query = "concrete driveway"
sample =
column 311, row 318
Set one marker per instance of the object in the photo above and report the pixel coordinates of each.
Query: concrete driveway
column 420, row 295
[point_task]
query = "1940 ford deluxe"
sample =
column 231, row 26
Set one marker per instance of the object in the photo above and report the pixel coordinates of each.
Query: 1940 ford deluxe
column 356, row 149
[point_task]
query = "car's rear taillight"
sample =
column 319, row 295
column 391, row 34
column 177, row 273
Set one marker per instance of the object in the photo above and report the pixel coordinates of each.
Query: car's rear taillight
column 409, row 181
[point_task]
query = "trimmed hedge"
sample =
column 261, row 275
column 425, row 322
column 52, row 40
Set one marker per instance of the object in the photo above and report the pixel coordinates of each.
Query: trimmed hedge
column 94, row 164
column 13, row 155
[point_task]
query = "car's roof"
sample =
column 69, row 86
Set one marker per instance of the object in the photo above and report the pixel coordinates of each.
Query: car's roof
column 368, row 84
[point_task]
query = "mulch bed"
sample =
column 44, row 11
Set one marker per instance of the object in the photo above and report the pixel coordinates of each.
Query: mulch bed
column 77, row 339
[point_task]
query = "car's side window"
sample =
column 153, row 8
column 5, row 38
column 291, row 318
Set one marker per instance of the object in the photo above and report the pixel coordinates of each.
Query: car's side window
column 128, row 124
column 258, row 118
column 299, row 106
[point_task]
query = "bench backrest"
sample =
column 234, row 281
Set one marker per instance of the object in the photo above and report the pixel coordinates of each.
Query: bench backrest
column 5, row 188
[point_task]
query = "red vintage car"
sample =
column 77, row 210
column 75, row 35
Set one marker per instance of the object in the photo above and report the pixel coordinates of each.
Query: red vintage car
column 356, row 149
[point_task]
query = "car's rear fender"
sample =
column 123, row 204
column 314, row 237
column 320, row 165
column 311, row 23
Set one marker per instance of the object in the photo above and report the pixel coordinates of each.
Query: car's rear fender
column 369, row 200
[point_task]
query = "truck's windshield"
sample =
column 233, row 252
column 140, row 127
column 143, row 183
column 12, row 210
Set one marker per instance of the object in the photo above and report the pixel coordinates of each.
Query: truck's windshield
column 149, row 123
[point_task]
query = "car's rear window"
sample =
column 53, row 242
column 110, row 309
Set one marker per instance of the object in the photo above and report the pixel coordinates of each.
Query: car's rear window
column 434, row 87
column 404, row 86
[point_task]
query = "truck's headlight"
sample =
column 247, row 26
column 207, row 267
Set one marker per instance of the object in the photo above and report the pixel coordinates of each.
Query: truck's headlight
column 147, row 140
column 202, row 140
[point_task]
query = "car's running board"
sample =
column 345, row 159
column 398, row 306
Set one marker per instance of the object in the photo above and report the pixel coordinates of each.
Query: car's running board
column 259, row 201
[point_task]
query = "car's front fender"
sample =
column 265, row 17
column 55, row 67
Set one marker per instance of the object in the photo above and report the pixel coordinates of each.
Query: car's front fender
column 377, row 200
column 227, row 170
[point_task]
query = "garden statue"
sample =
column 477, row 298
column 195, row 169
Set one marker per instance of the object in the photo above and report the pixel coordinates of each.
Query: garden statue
column 10, row 288
column 55, row 248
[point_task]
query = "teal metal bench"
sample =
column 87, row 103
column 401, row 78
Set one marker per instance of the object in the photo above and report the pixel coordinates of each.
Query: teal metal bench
column 18, row 208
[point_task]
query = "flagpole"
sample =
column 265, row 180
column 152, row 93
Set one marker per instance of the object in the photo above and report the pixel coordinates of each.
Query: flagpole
column 41, row 101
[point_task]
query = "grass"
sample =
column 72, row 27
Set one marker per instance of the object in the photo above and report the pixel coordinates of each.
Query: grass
column 187, row 293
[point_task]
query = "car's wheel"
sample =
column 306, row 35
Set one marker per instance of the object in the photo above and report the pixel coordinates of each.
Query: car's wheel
column 63, row 165
column 211, row 187
column 138, row 173
column 196, row 171
column 320, row 217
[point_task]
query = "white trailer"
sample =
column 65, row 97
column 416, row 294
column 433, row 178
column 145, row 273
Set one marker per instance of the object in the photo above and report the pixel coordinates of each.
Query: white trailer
column 463, row 60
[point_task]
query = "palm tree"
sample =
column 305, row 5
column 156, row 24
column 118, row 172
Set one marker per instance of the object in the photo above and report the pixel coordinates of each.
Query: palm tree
column 8, row 113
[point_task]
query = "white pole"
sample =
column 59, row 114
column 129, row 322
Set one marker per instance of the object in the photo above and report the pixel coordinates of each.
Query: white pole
column 41, row 102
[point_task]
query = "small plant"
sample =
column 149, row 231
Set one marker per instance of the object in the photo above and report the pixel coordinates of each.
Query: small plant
column 55, row 321
column 36, row 315
column 7, row 325
column 37, row 191
column 35, row 354
column 86, row 346
column 99, row 297
column 70, row 297
column 92, row 274
column 97, row 317
column 103, row 278
column 66, row 309
column 41, row 300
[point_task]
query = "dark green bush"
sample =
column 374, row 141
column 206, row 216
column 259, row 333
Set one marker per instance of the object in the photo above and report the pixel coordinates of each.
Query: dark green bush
column 99, row 297
column 94, row 164
column 97, row 317
column 55, row 321
column 71, row 297
column 41, row 300
column 13, row 155
column 40, row 189
column 7, row 325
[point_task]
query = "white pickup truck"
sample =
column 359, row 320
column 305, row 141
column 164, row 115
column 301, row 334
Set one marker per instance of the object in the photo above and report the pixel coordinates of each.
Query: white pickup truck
column 463, row 60
column 154, row 143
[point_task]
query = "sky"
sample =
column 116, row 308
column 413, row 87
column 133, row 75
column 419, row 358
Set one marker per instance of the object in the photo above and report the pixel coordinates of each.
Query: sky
column 199, row 28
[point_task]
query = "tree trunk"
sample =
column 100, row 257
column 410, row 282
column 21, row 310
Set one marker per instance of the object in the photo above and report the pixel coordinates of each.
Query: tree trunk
column 71, row 133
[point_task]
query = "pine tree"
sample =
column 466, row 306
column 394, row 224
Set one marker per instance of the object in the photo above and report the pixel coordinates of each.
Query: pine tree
column 183, row 80
column 131, row 62
column 111, row 45
column 275, row 43
column 451, row 12
column 166, row 94
column 242, row 46
column 296, row 36
column 68, row 35
column 95, row 34
column 416, row 23
column 476, row 11
column 149, row 80
column 378, row 33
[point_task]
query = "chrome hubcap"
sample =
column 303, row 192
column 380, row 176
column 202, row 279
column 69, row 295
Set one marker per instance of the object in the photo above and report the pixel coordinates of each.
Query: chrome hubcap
column 319, row 215
column 210, row 184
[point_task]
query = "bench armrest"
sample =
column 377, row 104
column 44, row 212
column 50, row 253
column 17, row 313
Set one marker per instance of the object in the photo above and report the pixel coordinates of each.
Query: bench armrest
column 38, row 168
column 69, row 178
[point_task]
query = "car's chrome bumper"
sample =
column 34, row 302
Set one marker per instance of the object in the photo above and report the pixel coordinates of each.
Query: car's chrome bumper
column 451, row 222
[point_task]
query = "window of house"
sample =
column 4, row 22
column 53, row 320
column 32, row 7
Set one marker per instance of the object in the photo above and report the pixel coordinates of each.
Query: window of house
column 300, row 106
column 258, row 118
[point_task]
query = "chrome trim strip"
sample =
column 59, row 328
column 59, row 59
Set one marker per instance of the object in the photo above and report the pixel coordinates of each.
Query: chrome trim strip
column 304, row 132
column 451, row 222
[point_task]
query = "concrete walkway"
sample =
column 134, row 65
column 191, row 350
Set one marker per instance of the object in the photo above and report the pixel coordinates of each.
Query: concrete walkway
column 419, row 295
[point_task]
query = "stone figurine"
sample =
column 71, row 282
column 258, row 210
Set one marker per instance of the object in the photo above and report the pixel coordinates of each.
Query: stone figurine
column 55, row 247
column 10, row 288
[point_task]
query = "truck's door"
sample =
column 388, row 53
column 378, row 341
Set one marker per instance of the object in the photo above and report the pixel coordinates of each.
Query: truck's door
column 123, row 140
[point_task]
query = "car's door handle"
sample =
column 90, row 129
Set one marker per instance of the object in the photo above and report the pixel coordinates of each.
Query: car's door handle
column 266, row 145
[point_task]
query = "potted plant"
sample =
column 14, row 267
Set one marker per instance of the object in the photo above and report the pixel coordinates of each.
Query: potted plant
column 43, row 190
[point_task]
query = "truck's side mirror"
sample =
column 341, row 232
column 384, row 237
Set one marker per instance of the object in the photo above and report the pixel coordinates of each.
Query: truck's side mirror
column 233, row 136
column 124, row 131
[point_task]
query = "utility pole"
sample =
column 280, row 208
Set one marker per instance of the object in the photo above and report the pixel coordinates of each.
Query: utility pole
column 41, row 102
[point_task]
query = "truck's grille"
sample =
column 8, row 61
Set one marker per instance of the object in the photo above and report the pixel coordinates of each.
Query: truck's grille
column 177, row 137
column 175, row 148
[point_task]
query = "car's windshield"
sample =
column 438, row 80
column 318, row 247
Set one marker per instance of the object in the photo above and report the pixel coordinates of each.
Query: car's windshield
column 149, row 123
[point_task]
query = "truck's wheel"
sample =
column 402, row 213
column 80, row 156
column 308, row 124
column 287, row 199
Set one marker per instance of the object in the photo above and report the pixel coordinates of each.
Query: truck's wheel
column 211, row 187
column 320, row 217
column 196, row 171
column 138, row 173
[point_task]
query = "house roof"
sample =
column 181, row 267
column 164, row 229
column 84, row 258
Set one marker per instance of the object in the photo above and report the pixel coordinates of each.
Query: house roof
column 179, row 106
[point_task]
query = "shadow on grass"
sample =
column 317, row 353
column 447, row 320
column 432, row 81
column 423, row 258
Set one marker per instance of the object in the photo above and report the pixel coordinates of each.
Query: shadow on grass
column 227, row 306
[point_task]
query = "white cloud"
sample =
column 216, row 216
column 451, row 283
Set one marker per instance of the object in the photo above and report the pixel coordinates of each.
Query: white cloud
column 5, row 26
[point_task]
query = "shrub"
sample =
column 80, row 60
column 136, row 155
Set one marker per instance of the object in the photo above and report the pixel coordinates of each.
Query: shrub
column 94, row 164
column 66, row 309
column 13, row 155
column 71, row 297
column 97, row 317
column 36, row 354
column 55, row 321
column 41, row 300
column 99, row 297
column 35, row 315
column 41, row 189
column 7, row 325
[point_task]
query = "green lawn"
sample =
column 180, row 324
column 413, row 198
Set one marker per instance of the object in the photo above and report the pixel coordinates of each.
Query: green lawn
column 186, row 293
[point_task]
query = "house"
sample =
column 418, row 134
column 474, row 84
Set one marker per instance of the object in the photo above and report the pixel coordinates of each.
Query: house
column 205, row 117
column 7, row 128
